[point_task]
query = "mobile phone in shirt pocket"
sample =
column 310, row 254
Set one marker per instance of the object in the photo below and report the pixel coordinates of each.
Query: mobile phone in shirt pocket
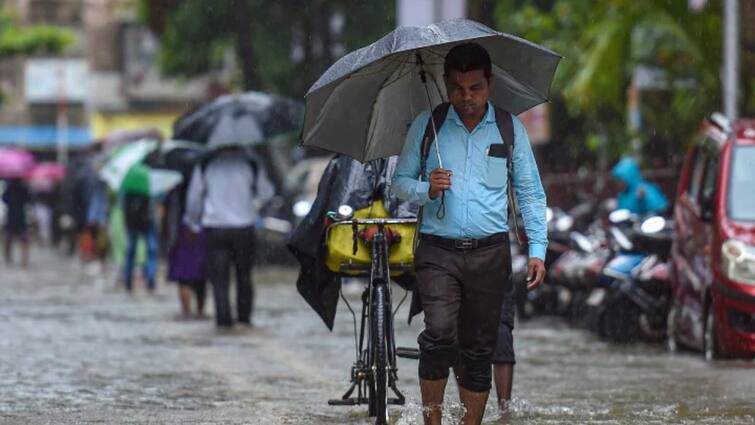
column 495, row 159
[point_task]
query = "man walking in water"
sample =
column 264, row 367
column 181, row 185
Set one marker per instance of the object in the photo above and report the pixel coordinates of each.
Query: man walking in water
column 463, row 262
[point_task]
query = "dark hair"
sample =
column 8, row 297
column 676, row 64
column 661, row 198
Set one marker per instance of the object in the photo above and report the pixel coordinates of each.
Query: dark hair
column 467, row 57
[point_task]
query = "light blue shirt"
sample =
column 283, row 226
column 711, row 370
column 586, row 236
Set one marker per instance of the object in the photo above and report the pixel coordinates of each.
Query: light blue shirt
column 476, row 204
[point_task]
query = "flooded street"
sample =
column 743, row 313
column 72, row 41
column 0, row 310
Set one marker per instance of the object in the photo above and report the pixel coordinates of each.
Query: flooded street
column 74, row 350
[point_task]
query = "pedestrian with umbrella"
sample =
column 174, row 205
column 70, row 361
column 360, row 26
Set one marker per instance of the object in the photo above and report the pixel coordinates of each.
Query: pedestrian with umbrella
column 16, row 197
column 137, row 184
column 14, row 165
column 187, row 252
column 42, row 180
column 229, row 186
column 463, row 167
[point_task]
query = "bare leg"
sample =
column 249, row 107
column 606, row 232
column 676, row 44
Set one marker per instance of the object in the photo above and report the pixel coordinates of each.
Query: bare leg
column 8, row 245
column 25, row 251
column 185, row 295
column 474, row 404
column 201, row 290
column 432, row 399
column 503, row 375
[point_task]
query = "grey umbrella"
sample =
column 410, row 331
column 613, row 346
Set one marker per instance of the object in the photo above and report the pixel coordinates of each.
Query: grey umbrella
column 363, row 105
column 239, row 120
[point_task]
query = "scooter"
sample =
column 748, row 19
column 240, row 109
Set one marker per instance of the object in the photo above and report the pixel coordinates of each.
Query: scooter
column 632, row 299
column 544, row 300
column 576, row 273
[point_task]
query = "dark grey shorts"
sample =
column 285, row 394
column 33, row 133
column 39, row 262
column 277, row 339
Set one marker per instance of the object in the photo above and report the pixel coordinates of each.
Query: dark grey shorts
column 504, row 350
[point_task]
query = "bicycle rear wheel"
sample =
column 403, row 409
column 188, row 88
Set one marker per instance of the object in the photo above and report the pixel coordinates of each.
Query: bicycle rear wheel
column 380, row 357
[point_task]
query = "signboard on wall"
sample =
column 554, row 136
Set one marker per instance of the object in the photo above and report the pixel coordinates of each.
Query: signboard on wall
column 56, row 80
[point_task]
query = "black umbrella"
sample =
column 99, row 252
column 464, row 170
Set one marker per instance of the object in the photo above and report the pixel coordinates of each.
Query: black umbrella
column 362, row 105
column 180, row 155
column 239, row 120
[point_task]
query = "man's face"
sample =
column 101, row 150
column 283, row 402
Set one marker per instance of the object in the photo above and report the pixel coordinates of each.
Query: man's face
column 468, row 92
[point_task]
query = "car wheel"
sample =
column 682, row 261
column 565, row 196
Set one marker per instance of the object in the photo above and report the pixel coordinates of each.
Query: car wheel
column 671, row 344
column 710, row 338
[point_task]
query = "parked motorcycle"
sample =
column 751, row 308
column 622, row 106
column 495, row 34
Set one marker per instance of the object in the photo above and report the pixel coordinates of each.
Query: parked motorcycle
column 542, row 300
column 632, row 298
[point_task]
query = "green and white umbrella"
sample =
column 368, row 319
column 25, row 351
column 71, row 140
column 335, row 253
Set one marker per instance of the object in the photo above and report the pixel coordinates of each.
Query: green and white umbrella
column 124, row 171
column 120, row 162
column 142, row 180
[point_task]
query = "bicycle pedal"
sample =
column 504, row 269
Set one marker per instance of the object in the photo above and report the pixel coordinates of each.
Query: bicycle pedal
column 407, row 353
column 396, row 401
column 345, row 402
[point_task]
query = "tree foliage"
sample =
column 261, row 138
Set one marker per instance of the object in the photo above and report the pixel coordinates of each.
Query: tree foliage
column 605, row 42
column 15, row 40
column 279, row 46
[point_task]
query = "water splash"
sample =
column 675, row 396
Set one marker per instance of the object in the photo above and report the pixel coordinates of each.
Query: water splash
column 411, row 414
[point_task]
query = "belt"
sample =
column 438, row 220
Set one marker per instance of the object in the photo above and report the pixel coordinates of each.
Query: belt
column 464, row 244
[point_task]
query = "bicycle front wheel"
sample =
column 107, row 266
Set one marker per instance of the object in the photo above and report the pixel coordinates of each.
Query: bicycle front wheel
column 380, row 355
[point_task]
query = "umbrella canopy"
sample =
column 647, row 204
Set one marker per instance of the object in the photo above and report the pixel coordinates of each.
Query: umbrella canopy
column 143, row 180
column 136, row 180
column 363, row 104
column 239, row 120
column 15, row 163
column 43, row 176
column 180, row 155
column 120, row 162
column 163, row 181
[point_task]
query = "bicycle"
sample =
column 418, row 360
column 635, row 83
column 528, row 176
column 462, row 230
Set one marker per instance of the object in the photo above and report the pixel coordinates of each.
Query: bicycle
column 375, row 369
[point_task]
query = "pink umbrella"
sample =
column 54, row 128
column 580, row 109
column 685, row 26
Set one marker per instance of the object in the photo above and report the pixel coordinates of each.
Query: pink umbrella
column 15, row 163
column 44, row 175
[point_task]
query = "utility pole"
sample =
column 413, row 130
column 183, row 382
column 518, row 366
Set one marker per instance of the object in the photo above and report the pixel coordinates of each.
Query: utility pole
column 731, row 58
column 62, row 115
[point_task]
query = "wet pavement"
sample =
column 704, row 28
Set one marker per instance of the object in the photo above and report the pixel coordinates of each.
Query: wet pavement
column 75, row 350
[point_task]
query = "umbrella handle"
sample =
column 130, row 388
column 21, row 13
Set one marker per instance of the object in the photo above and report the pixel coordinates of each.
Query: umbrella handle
column 423, row 77
column 441, row 213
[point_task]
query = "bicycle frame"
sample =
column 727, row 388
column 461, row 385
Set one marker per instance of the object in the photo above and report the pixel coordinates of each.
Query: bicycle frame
column 364, row 371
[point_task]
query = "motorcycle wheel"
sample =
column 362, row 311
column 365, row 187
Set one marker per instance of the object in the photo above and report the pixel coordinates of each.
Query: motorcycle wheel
column 619, row 322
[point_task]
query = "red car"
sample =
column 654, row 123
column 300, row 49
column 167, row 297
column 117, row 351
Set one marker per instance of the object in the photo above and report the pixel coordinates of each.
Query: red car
column 713, row 253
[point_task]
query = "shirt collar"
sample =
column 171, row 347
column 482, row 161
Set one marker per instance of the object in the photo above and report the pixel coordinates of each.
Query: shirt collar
column 488, row 118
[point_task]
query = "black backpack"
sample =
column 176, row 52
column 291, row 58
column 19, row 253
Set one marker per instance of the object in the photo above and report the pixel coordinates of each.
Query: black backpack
column 136, row 208
column 505, row 124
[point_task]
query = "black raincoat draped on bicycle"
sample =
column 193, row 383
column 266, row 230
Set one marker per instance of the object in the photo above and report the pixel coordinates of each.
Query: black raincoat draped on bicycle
column 345, row 181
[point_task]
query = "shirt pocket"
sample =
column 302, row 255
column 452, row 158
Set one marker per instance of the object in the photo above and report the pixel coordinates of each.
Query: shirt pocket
column 495, row 172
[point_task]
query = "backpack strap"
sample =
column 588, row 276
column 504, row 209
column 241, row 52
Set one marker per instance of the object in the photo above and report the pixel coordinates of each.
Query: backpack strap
column 505, row 122
column 438, row 117
column 255, row 173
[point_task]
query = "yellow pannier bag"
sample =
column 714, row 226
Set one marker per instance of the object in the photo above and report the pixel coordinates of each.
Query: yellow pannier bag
column 340, row 243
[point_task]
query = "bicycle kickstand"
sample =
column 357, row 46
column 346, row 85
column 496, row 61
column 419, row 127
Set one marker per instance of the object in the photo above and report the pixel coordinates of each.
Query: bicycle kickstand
column 400, row 399
column 346, row 399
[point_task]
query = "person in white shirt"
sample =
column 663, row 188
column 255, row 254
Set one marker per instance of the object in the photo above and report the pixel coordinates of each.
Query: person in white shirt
column 224, row 197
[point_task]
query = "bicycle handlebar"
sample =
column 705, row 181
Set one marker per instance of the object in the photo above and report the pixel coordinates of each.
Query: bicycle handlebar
column 375, row 221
